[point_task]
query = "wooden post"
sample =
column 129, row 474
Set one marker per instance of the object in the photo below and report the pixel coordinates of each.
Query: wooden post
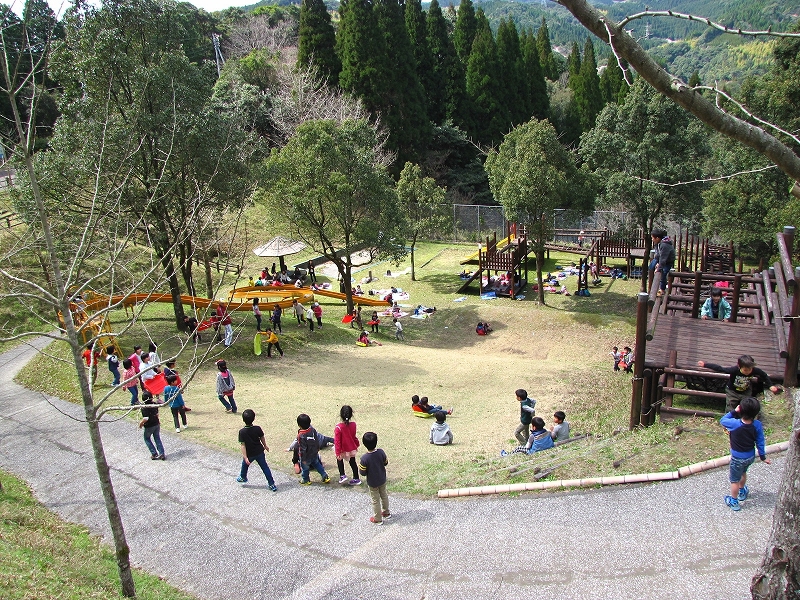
column 647, row 400
column 639, row 354
column 790, row 371
column 698, row 285
column 737, row 292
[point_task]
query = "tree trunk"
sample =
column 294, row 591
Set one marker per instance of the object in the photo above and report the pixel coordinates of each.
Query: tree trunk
column 413, row 276
column 346, row 273
column 778, row 577
column 121, row 548
column 209, row 278
column 174, row 289
column 539, row 267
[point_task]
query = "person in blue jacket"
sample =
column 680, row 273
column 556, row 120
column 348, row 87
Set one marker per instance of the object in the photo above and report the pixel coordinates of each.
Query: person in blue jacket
column 746, row 436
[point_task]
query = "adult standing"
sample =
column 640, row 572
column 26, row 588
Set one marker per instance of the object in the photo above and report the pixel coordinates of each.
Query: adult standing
column 312, row 275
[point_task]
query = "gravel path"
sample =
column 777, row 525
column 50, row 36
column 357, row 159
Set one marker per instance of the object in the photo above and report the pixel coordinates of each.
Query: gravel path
column 188, row 521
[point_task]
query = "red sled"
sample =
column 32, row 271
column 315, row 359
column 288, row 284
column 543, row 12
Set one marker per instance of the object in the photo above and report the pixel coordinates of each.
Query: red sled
column 156, row 385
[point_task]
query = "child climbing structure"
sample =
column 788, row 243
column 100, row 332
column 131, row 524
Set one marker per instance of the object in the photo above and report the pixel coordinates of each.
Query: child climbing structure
column 507, row 260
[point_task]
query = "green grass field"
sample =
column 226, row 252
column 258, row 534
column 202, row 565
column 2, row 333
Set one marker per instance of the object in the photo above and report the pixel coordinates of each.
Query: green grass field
column 558, row 352
column 41, row 556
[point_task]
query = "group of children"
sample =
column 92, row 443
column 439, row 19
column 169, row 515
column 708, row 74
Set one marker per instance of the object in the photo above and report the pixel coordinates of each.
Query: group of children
column 623, row 361
column 372, row 465
column 531, row 433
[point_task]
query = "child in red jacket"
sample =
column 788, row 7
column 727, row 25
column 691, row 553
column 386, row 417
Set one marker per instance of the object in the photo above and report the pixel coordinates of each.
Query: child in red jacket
column 345, row 445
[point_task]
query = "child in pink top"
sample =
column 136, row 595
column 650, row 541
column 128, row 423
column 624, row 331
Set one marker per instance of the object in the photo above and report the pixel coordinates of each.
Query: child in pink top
column 131, row 382
column 345, row 445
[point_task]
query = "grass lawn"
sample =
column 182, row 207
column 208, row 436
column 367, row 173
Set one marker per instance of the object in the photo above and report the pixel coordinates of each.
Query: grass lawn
column 43, row 557
column 558, row 352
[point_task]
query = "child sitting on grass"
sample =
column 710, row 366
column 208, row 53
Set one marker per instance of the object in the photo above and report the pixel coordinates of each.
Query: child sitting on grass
column 421, row 405
column 440, row 431
column 560, row 430
column 539, row 439
column 746, row 436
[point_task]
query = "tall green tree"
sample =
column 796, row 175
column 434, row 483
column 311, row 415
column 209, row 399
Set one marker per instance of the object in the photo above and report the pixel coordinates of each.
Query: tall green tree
column 511, row 68
column 546, row 58
column 742, row 209
column 423, row 203
column 637, row 147
column 417, row 28
column 331, row 183
column 588, row 96
column 574, row 64
column 124, row 66
column 363, row 54
column 532, row 175
column 451, row 103
column 404, row 106
column 489, row 114
column 535, row 85
column 612, row 82
column 464, row 31
column 317, row 41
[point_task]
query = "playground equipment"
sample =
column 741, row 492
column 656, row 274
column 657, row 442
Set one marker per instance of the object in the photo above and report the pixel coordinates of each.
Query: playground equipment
column 508, row 258
column 284, row 295
column 670, row 338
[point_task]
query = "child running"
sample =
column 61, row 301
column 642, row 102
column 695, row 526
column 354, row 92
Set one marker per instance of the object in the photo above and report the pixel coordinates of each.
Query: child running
column 272, row 340
column 225, row 387
column 746, row 436
column 173, row 397
column 373, row 466
column 308, row 451
column 152, row 428
column 251, row 438
column 345, row 445
column 113, row 364
column 130, row 379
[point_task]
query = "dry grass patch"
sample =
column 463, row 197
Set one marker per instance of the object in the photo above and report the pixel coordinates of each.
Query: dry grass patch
column 559, row 353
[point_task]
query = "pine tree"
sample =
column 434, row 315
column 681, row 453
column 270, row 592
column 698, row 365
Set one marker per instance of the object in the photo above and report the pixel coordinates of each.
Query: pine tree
column 694, row 80
column 546, row 59
column 363, row 54
column 448, row 73
column 317, row 41
column 416, row 26
column 511, row 71
column 574, row 63
column 490, row 117
column 404, row 103
column 464, row 31
column 588, row 97
column 535, row 89
column 612, row 81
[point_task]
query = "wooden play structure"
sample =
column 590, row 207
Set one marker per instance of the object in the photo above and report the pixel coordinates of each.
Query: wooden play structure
column 507, row 259
column 671, row 338
column 599, row 245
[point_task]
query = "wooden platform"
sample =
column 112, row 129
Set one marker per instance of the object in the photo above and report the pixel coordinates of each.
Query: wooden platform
column 713, row 341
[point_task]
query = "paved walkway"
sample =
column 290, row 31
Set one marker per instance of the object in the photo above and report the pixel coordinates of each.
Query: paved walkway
column 188, row 521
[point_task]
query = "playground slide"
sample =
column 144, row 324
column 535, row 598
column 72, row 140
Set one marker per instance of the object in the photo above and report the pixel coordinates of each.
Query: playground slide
column 473, row 258
column 362, row 300
column 467, row 282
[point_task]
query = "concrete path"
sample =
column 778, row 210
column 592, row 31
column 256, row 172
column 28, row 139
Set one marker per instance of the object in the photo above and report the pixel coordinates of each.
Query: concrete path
column 188, row 521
